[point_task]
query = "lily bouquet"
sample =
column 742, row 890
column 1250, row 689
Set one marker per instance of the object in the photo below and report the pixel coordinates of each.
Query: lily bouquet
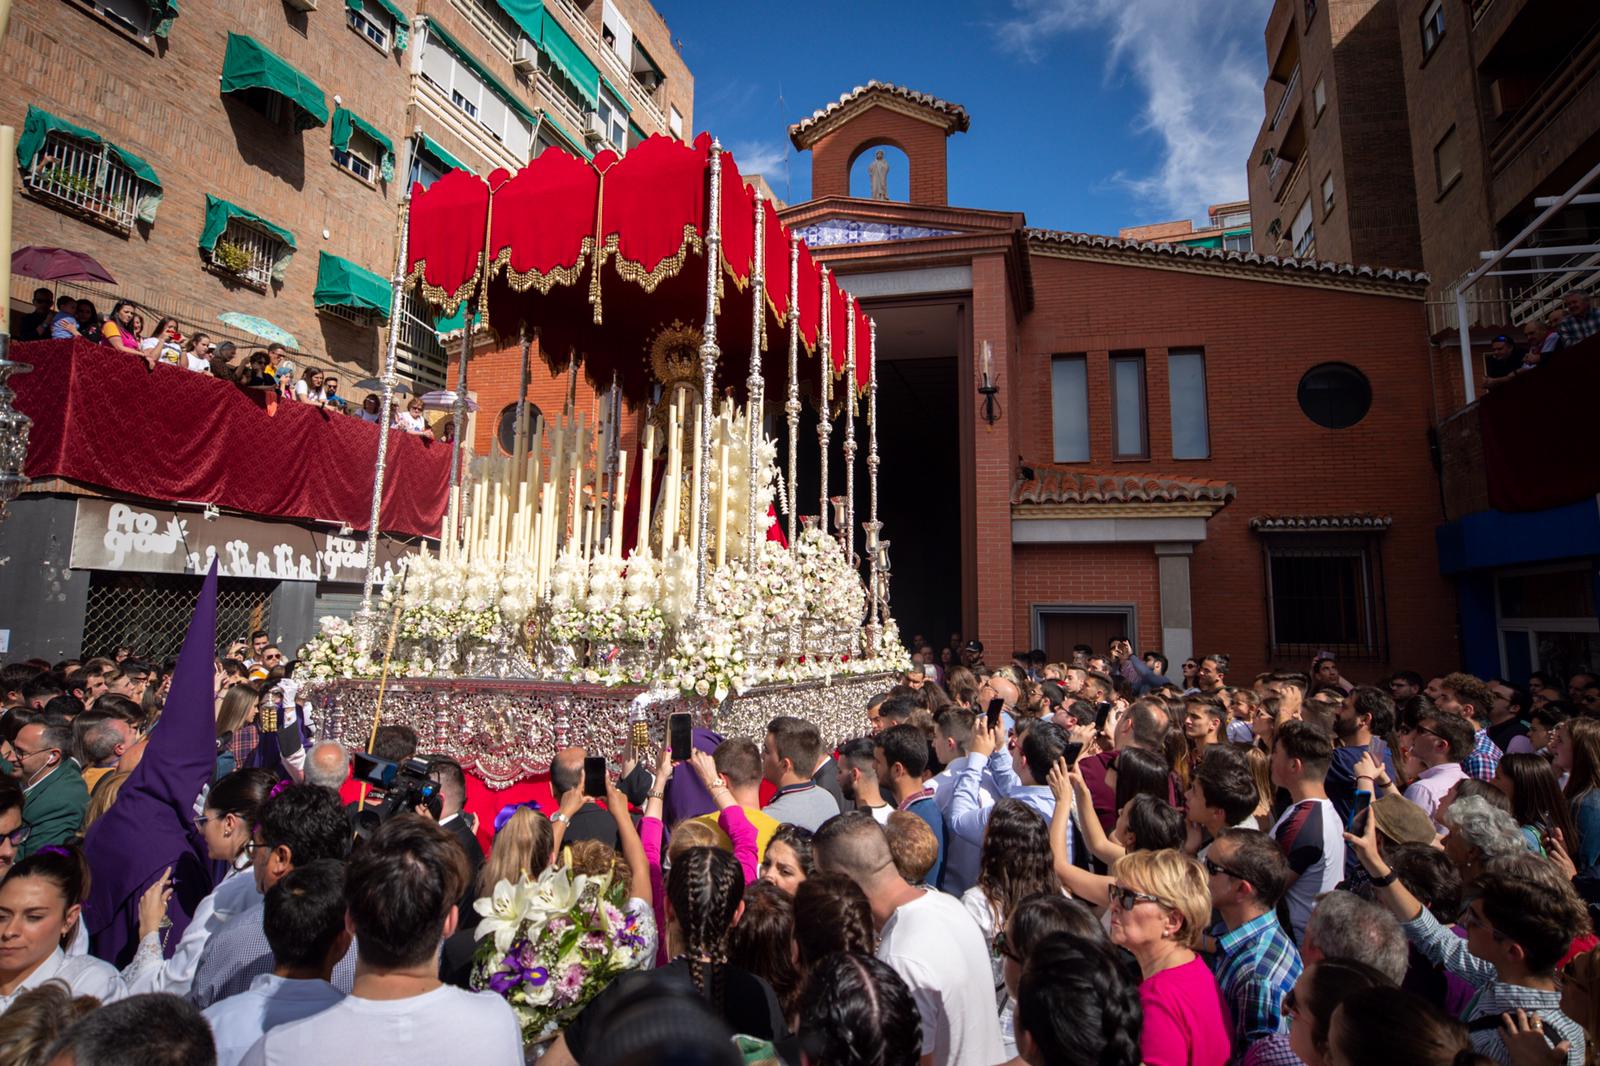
column 551, row 945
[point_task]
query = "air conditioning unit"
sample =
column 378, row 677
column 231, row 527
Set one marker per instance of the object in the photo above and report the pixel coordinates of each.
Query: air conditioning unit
column 596, row 129
column 527, row 57
column 302, row 5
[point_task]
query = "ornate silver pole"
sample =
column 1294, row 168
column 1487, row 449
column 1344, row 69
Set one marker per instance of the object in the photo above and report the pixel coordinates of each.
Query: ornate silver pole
column 520, row 434
column 754, row 386
column 458, row 417
column 849, row 530
column 399, row 307
column 791, row 406
column 873, row 527
column 708, row 367
column 14, row 426
column 825, row 415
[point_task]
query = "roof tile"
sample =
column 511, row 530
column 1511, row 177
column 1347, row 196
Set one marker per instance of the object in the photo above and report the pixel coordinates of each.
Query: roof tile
column 1058, row 485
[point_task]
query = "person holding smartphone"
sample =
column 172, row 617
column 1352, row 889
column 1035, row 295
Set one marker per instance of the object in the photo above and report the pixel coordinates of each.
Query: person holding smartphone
column 583, row 817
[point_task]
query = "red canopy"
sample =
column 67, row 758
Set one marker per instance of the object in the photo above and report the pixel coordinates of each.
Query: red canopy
column 603, row 258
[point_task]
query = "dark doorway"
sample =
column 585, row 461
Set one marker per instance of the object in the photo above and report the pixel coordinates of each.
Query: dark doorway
column 1063, row 628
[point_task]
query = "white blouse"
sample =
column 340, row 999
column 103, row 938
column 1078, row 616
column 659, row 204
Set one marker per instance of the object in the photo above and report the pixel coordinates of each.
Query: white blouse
column 84, row 975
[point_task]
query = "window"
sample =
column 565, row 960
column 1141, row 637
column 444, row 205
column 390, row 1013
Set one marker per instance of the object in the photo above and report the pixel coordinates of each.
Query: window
column 467, row 107
column 1129, row 439
column 1319, row 99
column 1432, row 26
column 138, row 17
column 247, row 253
column 1324, row 592
column 1186, row 388
column 372, row 23
column 487, row 18
column 361, row 157
column 1236, row 242
column 616, row 33
column 423, row 171
column 1447, row 161
column 1547, row 620
column 675, row 122
column 615, row 119
column 1069, row 407
column 1335, row 395
column 1301, row 231
column 1234, row 218
column 505, row 433
column 420, row 357
column 474, row 98
column 1327, row 194
column 88, row 178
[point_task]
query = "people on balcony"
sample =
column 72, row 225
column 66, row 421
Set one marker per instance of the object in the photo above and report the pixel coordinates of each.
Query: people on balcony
column 309, row 388
column 166, row 342
column 64, row 323
column 35, row 325
column 119, row 330
column 1581, row 321
column 412, row 420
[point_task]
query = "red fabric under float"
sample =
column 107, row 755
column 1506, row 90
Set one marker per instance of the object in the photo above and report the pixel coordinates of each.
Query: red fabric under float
column 194, row 432
column 445, row 243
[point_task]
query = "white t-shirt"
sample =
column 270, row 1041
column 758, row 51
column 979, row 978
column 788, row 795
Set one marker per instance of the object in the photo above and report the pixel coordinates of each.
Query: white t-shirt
column 239, row 1021
column 938, row 950
column 410, row 423
column 445, row 1025
column 1312, row 836
column 195, row 363
column 84, row 975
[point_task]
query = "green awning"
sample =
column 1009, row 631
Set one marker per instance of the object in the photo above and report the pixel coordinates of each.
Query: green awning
column 577, row 144
column 249, row 64
column 449, row 329
column 620, row 98
column 461, row 53
column 218, row 214
column 555, row 42
column 40, row 122
column 341, row 283
column 345, row 120
column 432, row 147
column 635, row 134
column 165, row 12
column 402, row 24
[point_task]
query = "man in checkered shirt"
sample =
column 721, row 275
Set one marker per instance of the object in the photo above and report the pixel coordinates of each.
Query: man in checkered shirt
column 1582, row 320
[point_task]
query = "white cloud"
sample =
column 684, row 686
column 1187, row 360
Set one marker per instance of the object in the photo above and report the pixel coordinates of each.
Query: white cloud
column 1199, row 67
column 761, row 157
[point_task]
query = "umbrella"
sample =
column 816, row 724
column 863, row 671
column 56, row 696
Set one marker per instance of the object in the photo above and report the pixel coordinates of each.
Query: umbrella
column 376, row 385
column 445, row 400
column 58, row 264
column 259, row 327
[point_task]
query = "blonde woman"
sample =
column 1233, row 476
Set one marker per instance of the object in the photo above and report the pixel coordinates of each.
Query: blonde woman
column 1160, row 904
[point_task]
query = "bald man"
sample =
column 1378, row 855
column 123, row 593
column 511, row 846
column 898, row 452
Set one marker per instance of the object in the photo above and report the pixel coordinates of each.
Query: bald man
column 327, row 764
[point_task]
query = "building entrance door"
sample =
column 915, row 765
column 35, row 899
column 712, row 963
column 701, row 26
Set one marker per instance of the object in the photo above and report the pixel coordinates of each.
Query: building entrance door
column 1058, row 629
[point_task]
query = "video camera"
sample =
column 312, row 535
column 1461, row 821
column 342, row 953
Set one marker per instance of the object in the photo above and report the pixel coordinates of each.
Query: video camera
column 404, row 786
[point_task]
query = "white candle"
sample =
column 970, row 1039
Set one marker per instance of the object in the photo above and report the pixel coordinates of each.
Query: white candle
column 988, row 363
column 646, row 469
column 700, row 410
column 669, row 527
column 722, row 502
column 619, row 503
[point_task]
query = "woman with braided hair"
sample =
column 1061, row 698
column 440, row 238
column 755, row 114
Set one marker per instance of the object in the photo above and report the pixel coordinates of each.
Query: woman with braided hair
column 705, row 899
column 856, row 1011
column 1077, row 1003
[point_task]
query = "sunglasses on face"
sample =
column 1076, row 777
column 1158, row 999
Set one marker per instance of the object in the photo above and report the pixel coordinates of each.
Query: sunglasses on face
column 1125, row 899
column 1214, row 867
column 1003, row 948
column 18, row 836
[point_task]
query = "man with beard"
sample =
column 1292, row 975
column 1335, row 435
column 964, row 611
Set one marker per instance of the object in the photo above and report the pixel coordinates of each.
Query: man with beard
column 1362, row 721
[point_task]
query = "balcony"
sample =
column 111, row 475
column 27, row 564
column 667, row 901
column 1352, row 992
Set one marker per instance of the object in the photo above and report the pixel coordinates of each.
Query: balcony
column 1283, row 176
column 1290, row 95
column 1562, row 98
column 611, row 64
column 86, row 179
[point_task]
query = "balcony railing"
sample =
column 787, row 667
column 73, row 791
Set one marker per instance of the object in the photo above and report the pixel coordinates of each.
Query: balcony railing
column 1283, row 102
column 87, row 178
column 1548, row 101
column 619, row 73
column 260, row 253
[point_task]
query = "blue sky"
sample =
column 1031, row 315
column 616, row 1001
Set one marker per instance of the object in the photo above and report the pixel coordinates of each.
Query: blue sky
column 1086, row 114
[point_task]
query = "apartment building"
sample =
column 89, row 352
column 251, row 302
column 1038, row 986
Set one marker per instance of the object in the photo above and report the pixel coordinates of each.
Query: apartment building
column 1330, row 173
column 1227, row 226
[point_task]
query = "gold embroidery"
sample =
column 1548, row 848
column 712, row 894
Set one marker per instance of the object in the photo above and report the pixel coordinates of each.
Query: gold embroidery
column 543, row 280
column 648, row 280
column 438, row 295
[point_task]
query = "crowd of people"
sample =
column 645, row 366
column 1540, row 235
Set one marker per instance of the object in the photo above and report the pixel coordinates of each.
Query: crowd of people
column 1067, row 862
column 271, row 368
column 1575, row 321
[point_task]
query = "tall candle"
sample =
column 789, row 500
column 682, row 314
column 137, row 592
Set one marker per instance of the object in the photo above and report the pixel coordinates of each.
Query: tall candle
column 619, row 503
column 669, row 527
column 646, row 468
column 722, row 502
column 699, row 411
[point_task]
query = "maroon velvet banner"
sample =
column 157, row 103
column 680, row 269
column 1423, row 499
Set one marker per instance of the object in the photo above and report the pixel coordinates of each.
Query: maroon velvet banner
column 1539, row 444
column 103, row 419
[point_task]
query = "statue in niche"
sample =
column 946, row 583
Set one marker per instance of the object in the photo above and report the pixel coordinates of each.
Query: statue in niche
column 878, row 174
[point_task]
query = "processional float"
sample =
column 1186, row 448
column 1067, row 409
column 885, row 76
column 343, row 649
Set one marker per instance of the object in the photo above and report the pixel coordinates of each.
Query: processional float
column 585, row 581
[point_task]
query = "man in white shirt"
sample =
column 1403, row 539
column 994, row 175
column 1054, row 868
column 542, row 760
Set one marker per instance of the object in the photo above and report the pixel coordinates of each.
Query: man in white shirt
column 401, row 891
column 928, row 938
column 303, row 916
column 952, row 736
column 1310, row 832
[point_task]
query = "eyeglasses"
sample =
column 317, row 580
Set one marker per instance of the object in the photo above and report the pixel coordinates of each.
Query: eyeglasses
column 1125, row 899
column 17, row 836
column 1003, row 948
column 21, row 755
column 252, row 845
column 1431, row 733
column 1214, row 867
column 1469, row 920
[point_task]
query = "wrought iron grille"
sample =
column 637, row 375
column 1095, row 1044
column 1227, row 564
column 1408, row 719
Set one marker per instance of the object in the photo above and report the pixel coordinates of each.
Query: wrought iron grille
column 261, row 250
column 1326, row 594
column 86, row 177
column 150, row 612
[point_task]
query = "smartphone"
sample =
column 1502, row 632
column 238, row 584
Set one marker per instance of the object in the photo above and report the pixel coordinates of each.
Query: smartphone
column 1102, row 712
column 1074, row 749
column 927, row 670
column 1363, row 801
column 996, row 705
column 594, row 776
column 682, row 734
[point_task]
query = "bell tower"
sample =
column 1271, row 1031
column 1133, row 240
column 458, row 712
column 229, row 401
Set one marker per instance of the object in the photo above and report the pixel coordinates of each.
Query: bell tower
column 872, row 116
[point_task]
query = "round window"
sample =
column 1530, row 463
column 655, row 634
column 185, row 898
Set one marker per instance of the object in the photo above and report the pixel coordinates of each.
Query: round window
column 505, row 432
column 1335, row 395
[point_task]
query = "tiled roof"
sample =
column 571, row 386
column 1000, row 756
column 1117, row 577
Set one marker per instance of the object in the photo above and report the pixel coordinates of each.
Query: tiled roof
column 955, row 116
column 1323, row 267
column 1320, row 523
column 1057, row 485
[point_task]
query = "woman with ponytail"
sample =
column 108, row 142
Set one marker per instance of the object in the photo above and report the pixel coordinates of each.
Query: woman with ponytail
column 40, row 902
column 705, row 900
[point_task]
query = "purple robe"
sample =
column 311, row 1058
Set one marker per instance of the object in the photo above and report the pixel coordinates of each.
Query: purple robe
column 151, row 825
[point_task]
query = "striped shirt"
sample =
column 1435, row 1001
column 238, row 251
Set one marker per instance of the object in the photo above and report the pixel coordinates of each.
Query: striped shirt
column 1257, row 966
column 1494, row 997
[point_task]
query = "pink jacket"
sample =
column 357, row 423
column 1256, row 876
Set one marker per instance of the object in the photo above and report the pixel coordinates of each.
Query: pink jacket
column 739, row 830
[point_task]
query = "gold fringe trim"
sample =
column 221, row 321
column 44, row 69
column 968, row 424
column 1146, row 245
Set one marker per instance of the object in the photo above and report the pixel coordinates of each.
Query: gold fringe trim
column 435, row 294
column 648, row 280
column 542, row 280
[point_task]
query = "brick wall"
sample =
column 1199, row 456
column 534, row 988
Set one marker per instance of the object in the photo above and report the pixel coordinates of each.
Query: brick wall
column 163, row 104
column 921, row 141
column 1259, row 339
column 1085, row 574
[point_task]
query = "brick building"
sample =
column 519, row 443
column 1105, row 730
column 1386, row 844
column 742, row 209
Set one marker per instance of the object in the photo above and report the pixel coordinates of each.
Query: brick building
column 282, row 124
column 1227, row 226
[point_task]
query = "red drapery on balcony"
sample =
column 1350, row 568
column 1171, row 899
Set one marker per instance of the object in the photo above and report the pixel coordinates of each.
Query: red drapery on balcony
column 601, row 257
column 1539, row 446
column 102, row 419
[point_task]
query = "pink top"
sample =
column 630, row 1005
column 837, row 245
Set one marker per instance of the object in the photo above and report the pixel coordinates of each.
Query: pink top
column 1185, row 1019
column 739, row 830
